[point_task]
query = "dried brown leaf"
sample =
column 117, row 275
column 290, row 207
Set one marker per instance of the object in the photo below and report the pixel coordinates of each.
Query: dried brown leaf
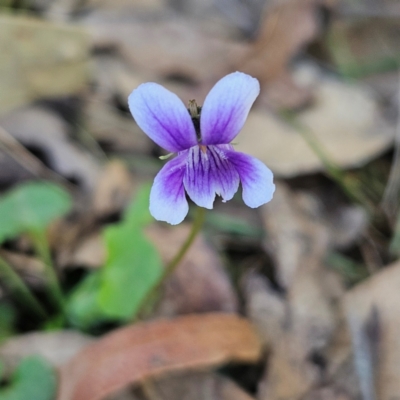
column 166, row 45
column 344, row 119
column 90, row 252
column 142, row 351
column 298, row 241
column 284, row 30
column 45, row 60
column 42, row 129
column 264, row 307
column 194, row 386
column 56, row 347
column 296, row 238
column 378, row 295
column 113, row 190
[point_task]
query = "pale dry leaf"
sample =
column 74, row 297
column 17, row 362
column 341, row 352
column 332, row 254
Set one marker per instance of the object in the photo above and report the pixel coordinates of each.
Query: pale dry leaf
column 11, row 170
column 45, row 60
column 286, row 28
column 113, row 190
column 371, row 8
column 288, row 375
column 264, row 307
column 308, row 328
column 67, row 235
column 340, row 369
column 344, row 119
column 166, row 45
column 146, row 350
column 114, row 77
column 90, row 252
column 44, row 131
column 298, row 240
column 137, row 5
column 313, row 318
column 296, row 237
column 326, row 393
column 200, row 283
column 113, row 131
column 380, row 293
column 346, row 224
column 194, row 386
column 17, row 163
column 56, row 347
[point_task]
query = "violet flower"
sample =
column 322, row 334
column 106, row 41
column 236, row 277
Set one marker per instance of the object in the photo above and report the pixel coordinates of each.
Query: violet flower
column 206, row 163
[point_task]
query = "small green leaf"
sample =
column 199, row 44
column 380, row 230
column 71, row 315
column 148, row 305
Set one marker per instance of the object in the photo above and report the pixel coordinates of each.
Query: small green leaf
column 138, row 213
column 82, row 308
column 34, row 379
column 31, row 207
column 132, row 268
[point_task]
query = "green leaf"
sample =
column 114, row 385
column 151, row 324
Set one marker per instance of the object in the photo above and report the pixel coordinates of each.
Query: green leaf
column 82, row 307
column 34, row 379
column 133, row 267
column 31, row 207
column 138, row 213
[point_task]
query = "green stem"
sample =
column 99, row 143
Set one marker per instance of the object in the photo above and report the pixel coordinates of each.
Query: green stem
column 21, row 289
column 42, row 249
column 172, row 265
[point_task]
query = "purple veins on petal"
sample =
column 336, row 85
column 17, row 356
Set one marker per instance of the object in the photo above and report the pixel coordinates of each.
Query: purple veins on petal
column 256, row 178
column 226, row 108
column 167, row 197
column 209, row 172
column 206, row 164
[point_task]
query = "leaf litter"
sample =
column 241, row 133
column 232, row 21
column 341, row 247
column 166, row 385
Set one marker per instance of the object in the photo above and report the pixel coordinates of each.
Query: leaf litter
column 313, row 274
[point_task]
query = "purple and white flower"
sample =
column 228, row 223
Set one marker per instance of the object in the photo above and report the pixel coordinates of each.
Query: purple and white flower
column 206, row 163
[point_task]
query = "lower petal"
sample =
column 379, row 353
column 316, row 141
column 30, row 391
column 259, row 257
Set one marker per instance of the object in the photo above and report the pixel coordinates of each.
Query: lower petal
column 256, row 178
column 167, row 197
column 209, row 172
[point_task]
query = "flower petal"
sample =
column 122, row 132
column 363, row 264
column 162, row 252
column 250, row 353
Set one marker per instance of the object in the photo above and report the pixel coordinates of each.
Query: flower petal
column 208, row 172
column 256, row 179
column 167, row 197
column 226, row 108
column 162, row 116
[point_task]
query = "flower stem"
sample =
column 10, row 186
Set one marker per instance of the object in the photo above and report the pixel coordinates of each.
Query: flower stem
column 21, row 289
column 148, row 301
column 42, row 249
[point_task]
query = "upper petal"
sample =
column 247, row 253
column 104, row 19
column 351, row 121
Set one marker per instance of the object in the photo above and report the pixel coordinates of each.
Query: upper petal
column 208, row 172
column 226, row 108
column 256, row 178
column 167, row 197
column 162, row 116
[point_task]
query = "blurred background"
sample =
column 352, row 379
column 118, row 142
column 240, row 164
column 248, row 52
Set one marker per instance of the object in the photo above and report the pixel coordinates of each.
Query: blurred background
column 309, row 283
